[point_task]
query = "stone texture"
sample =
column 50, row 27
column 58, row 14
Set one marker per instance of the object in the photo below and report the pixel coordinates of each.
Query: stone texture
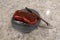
column 48, row 9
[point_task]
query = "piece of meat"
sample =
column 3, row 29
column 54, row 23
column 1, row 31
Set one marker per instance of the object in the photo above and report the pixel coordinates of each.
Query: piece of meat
column 26, row 17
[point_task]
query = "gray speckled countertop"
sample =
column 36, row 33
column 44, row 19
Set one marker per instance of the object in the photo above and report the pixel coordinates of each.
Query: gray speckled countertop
column 48, row 9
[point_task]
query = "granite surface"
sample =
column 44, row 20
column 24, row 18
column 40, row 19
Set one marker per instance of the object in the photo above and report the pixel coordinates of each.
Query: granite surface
column 49, row 10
